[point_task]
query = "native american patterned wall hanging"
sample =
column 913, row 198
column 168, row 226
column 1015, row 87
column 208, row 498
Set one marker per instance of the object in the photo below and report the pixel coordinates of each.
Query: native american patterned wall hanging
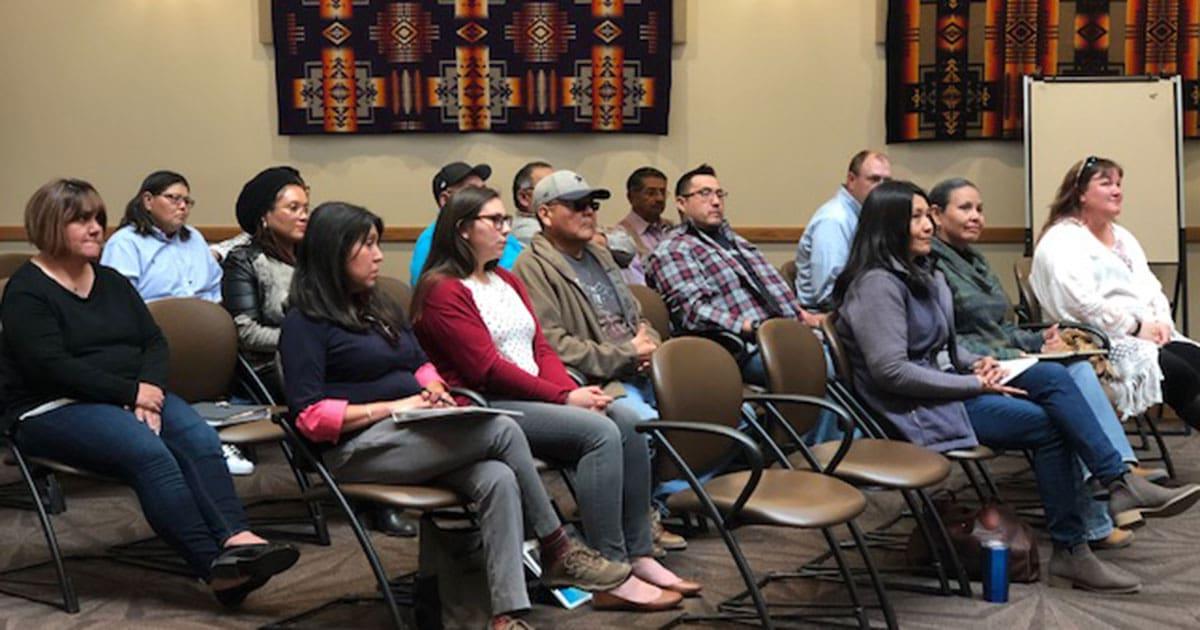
column 368, row 66
column 955, row 67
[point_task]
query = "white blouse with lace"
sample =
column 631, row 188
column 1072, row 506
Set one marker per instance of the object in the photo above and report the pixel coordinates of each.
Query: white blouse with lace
column 1077, row 277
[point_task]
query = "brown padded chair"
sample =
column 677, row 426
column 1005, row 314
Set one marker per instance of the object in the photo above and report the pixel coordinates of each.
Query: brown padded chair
column 701, row 422
column 794, row 361
column 203, row 362
column 788, row 271
column 10, row 262
column 397, row 290
column 402, row 497
column 654, row 309
column 1029, row 302
column 970, row 459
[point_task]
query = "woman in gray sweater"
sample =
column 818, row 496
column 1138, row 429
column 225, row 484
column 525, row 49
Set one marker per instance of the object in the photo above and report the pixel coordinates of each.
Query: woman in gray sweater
column 895, row 317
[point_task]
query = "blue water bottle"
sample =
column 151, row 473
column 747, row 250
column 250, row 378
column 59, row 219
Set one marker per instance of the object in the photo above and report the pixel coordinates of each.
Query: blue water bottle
column 995, row 571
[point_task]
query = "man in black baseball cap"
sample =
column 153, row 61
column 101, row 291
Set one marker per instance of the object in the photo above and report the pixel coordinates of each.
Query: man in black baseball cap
column 448, row 180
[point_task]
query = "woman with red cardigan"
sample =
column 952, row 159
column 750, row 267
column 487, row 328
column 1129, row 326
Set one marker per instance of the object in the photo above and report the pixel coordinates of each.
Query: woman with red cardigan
column 476, row 323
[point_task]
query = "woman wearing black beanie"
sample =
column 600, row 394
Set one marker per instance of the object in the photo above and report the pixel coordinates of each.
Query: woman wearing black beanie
column 273, row 209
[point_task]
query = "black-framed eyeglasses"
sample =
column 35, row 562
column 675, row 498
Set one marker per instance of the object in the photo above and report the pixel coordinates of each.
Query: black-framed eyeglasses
column 579, row 205
column 707, row 193
column 1088, row 162
column 178, row 199
column 498, row 221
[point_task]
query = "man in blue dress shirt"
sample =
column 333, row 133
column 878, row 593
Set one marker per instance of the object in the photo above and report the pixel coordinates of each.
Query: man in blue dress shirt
column 825, row 246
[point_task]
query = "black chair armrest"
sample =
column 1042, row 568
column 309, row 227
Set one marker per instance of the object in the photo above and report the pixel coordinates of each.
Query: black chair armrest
column 657, row 428
column 732, row 343
column 254, row 384
column 475, row 397
column 576, row 376
column 1100, row 335
column 845, row 423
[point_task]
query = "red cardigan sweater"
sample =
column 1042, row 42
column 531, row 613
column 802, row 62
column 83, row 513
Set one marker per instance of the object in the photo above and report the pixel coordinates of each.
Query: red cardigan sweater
column 453, row 334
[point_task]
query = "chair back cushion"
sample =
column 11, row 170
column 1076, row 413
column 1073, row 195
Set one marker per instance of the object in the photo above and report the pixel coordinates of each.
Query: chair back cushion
column 654, row 309
column 203, row 344
column 841, row 365
column 696, row 380
column 794, row 359
column 1029, row 302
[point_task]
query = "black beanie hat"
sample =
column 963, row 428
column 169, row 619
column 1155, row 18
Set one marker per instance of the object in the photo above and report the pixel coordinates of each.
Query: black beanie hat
column 258, row 195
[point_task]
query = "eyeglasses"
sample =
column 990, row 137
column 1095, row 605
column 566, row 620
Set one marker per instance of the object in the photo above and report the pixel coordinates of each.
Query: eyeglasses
column 707, row 193
column 1087, row 163
column 295, row 208
column 579, row 205
column 178, row 199
column 498, row 221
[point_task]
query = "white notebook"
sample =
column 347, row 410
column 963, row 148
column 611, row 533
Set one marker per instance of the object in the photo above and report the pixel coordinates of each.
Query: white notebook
column 421, row 415
column 1014, row 368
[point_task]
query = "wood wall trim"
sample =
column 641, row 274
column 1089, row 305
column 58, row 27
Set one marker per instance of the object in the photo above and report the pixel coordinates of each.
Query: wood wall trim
column 756, row 234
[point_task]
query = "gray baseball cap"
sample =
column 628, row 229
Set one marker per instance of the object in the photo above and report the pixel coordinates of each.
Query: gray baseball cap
column 565, row 185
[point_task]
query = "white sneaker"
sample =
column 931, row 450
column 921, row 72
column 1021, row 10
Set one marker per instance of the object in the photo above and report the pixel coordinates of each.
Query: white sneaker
column 237, row 463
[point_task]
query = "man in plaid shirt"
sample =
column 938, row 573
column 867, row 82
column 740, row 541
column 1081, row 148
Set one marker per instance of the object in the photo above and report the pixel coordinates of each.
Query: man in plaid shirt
column 711, row 278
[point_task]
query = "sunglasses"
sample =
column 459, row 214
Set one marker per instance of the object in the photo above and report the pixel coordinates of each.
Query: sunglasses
column 579, row 205
column 1088, row 163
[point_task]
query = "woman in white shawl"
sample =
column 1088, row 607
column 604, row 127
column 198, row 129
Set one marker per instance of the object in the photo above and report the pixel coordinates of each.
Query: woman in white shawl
column 1087, row 268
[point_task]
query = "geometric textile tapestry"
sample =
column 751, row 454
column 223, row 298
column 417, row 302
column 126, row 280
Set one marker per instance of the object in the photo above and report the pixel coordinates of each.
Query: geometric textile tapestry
column 368, row 66
column 955, row 67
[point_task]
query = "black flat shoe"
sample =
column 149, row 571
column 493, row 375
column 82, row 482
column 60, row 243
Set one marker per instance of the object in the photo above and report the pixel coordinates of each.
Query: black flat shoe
column 394, row 522
column 233, row 597
column 254, row 561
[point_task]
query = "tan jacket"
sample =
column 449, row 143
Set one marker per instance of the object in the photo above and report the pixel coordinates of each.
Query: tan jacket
column 568, row 317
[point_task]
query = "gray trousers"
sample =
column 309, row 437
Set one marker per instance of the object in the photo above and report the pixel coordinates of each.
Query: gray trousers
column 486, row 460
column 612, row 470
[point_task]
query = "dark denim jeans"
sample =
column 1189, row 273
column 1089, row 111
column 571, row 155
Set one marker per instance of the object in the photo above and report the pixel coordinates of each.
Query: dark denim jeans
column 179, row 476
column 1057, row 424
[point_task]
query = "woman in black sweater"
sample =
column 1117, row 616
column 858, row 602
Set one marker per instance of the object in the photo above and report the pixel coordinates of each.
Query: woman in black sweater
column 350, row 360
column 87, row 371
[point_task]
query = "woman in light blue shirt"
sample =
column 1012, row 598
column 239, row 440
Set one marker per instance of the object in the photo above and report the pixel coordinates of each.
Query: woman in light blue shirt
column 163, row 258
column 156, row 249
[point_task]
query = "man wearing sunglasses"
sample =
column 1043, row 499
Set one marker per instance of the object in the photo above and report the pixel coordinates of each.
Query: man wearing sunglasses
column 714, row 280
column 586, row 310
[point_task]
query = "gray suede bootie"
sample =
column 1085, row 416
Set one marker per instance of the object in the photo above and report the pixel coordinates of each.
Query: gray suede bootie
column 1131, row 497
column 1078, row 567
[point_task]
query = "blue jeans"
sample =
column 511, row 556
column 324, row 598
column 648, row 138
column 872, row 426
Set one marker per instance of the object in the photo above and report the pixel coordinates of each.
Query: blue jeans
column 1057, row 425
column 1096, row 520
column 639, row 398
column 179, row 476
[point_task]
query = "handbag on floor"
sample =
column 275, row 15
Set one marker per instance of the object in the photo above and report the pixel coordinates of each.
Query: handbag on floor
column 452, row 585
column 970, row 527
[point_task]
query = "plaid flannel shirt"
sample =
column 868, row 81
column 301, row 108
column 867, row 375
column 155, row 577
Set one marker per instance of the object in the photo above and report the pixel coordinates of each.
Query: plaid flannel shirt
column 706, row 286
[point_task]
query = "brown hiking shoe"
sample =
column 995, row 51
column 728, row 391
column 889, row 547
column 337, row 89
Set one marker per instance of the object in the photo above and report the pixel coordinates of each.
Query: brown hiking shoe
column 583, row 567
column 663, row 538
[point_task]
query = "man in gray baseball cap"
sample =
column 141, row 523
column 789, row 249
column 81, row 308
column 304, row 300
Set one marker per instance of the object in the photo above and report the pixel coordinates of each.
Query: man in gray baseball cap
column 566, row 187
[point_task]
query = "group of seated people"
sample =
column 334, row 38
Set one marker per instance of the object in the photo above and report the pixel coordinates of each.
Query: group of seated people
column 503, row 305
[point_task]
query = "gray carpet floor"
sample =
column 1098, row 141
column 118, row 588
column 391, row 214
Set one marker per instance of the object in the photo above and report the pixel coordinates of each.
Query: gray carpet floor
column 1164, row 554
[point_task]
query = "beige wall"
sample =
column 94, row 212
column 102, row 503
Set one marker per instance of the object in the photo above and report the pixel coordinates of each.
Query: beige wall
column 777, row 94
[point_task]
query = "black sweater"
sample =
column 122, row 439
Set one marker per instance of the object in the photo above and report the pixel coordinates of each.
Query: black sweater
column 94, row 349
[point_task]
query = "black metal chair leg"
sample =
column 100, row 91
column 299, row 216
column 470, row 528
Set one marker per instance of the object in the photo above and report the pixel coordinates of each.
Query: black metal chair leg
column 1162, row 446
column 935, row 551
column 847, row 577
column 979, row 492
column 315, row 513
column 987, row 479
column 964, row 581
column 70, row 600
column 381, row 577
column 885, row 604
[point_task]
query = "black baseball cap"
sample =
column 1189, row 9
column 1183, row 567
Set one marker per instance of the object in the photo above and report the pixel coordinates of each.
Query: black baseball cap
column 455, row 172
